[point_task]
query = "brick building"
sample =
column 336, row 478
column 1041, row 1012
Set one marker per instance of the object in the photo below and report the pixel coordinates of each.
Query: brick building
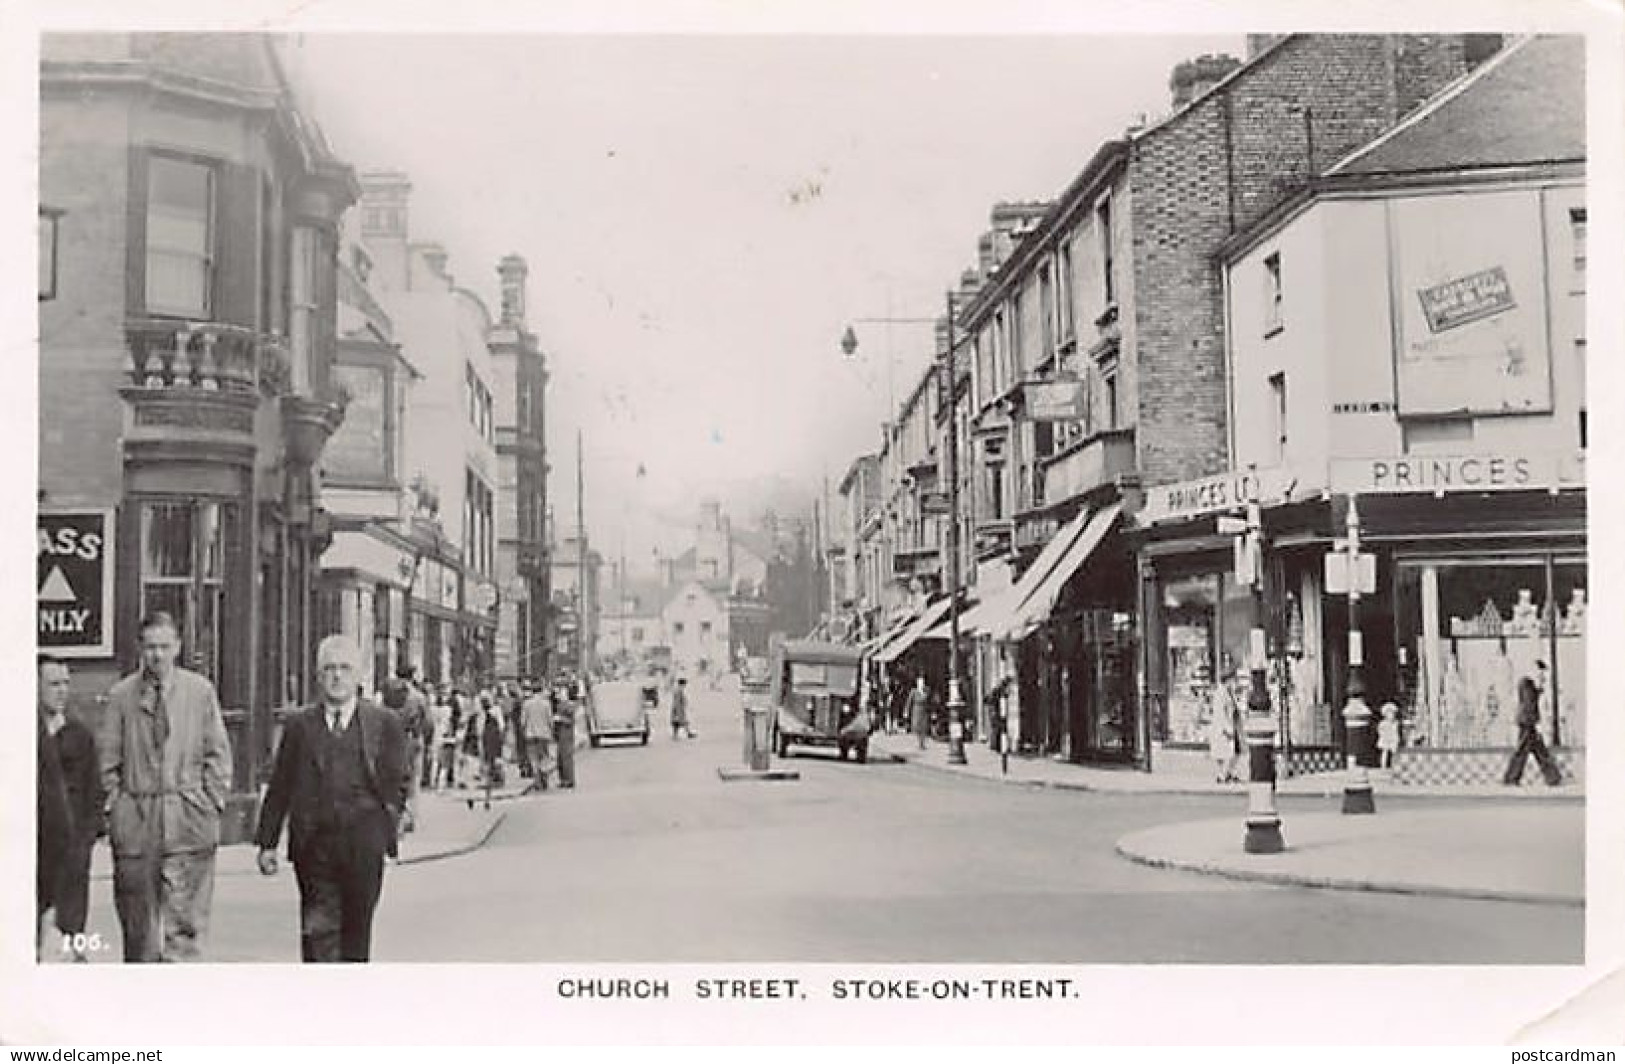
column 189, row 212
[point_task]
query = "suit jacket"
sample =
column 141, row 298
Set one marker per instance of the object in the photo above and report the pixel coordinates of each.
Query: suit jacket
column 81, row 775
column 295, row 791
column 54, row 823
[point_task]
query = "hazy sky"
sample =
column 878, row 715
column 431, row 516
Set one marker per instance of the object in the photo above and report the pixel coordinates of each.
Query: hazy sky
column 704, row 214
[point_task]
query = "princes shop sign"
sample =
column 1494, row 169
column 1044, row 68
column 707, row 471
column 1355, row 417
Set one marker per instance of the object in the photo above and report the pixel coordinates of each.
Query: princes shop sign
column 1208, row 495
column 1511, row 471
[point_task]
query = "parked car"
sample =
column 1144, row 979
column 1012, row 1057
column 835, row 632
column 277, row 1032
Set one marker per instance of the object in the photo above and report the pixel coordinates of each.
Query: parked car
column 618, row 709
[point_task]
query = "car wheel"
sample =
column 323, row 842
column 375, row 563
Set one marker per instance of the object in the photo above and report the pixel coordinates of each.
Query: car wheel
column 592, row 741
column 863, row 753
column 784, row 745
column 843, row 748
column 643, row 740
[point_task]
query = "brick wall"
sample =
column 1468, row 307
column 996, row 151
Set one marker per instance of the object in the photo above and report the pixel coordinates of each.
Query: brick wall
column 1220, row 165
column 83, row 362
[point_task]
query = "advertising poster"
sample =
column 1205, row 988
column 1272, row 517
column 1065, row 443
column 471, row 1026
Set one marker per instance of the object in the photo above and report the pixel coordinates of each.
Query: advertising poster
column 1470, row 305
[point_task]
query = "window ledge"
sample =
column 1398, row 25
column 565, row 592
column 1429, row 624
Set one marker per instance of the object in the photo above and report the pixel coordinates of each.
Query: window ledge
column 1274, row 330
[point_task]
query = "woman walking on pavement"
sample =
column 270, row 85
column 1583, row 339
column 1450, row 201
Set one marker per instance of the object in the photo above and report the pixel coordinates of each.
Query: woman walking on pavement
column 919, row 710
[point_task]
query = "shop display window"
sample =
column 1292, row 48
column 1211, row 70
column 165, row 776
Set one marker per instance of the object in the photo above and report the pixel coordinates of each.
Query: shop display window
column 1477, row 627
column 1190, row 608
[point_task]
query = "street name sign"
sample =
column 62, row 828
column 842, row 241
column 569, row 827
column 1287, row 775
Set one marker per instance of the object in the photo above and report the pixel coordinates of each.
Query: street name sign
column 1337, row 572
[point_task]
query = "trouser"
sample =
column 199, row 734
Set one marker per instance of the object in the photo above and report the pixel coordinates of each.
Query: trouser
column 426, row 771
column 1530, row 742
column 414, row 749
column 73, row 888
column 536, row 754
column 340, row 879
column 163, row 904
column 448, row 763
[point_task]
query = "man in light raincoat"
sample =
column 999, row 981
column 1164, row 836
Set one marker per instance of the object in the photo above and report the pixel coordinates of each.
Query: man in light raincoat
column 166, row 767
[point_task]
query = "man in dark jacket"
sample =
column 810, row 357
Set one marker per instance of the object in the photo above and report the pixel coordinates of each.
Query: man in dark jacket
column 53, row 827
column 82, row 783
column 340, row 781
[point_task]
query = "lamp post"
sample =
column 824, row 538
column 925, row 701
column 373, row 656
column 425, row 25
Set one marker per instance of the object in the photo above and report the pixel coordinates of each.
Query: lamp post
column 1357, row 798
column 956, row 697
column 1263, row 822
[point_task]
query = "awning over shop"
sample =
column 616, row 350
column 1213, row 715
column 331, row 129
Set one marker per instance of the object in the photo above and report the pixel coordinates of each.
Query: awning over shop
column 889, row 636
column 989, row 615
column 940, row 629
column 933, row 613
column 1035, row 604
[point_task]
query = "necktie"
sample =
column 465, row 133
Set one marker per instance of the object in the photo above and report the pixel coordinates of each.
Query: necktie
column 333, row 721
column 160, row 712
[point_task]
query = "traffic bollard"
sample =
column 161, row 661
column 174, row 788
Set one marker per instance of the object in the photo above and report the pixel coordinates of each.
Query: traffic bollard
column 1263, row 822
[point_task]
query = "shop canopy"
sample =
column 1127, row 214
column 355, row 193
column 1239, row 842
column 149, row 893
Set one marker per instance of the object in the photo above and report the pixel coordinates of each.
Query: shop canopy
column 888, row 637
column 989, row 614
column 1035, row 594
column 933, row 613
column 941, row 629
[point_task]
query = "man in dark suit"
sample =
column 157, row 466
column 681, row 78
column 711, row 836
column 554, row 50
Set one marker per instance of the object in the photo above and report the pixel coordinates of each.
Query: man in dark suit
column 82, row 780
column 340, row 781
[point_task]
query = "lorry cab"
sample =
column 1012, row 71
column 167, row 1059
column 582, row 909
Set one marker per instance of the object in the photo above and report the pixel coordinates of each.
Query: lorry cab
column 814, row 687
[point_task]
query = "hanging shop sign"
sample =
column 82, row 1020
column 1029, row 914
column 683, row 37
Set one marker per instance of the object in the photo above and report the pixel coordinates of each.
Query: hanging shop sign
column 1208, row 495
column 1057, row 400
column 74, row 583
column 1337, row 572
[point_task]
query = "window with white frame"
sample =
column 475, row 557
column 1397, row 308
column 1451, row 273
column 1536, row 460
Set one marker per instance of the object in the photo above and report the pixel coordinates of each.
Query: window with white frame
column 1064, row 305
column 1272, row 293
column 1046, row 310
column 302, row 305
column 180, row 237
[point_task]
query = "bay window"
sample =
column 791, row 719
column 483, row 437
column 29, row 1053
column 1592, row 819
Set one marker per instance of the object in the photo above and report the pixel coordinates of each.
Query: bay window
column 184, row 549
column 302, row 306
column 180, row 237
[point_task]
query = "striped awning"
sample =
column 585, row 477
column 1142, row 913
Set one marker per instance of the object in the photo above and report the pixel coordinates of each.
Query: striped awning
column 1040, row 594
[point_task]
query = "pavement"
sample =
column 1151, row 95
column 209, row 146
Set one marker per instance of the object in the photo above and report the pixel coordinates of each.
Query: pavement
column 1458, row 850
column 447, row 826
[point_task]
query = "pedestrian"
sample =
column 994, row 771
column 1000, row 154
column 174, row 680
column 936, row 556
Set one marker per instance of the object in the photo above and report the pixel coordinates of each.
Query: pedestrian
column 339, row 781
column 491, row 735
column 82, row 781
column 418, row 733
column 1529, row 739
column 919, row 710
column 442, row 741
column 469, row 743
column 1222, row 730
column 53, row 823
column 536, row 719
column 414, row 718
column 564, row 734
column 1388, row 734
column 166, row 766
column 679, row 710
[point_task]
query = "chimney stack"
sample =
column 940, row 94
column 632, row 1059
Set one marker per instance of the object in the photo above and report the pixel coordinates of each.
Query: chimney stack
column 385, row 223
column 1193, row 77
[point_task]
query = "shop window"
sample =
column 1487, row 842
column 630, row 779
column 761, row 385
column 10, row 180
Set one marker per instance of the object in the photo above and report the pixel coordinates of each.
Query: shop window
column 1190, row 608
column 183, row 572
column 180, row 237
column 1473, row 630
